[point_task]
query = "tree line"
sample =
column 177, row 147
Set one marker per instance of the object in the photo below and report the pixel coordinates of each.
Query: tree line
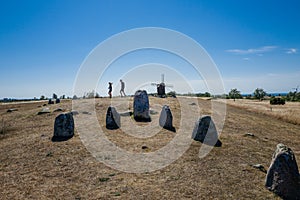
column 260, row 94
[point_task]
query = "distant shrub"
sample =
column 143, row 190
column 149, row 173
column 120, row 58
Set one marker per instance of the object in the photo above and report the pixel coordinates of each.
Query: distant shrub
column 171, row 94
column 249, row 96
column 277, row 101
column 206, row 94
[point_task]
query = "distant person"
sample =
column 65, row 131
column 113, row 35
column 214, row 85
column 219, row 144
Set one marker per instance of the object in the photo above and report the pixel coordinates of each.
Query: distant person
column 122, row 88
column 110, row 89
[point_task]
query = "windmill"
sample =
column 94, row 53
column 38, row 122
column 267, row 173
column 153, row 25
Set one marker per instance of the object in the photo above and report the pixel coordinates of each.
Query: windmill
column 295, row 93
column 161, row 87
column 296, row 89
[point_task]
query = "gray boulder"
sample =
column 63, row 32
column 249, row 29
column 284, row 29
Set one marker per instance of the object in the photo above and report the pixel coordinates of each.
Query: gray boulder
column 283, row 175
column 166, row 118
column 153, row 112
column 86, row 113
column 126, row 114
column 12, row 109
column 58, row 110
column 44, row 111
column 141, row 106
column 112, row 118
column 205, row 132
column 74, row 112
column 63, row 127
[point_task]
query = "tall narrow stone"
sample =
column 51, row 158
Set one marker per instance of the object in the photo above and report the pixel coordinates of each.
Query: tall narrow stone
column 166, row 118
column 141, row 106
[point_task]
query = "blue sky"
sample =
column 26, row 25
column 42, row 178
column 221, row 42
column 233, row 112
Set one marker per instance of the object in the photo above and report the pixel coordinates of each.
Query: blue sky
column 43, row 43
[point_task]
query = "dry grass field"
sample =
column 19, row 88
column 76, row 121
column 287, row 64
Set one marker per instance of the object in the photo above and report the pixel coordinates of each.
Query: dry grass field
column 34, row 167
column 290, row 112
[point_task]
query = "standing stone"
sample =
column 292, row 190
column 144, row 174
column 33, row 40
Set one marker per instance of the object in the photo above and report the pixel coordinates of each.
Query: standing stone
column 166, row 118
column 57, row 100
column 50, row 101
column 205, row 131
column 141, row 106
column 283, row 175
column 112, row 118
column 63, row 127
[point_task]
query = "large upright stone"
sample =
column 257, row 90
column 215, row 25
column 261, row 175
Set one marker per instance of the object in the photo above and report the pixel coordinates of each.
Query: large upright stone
column 283, row 175
column 63, row 127
column 112, row 118
column 205, row 131
column 141, row 106
column 166, row 118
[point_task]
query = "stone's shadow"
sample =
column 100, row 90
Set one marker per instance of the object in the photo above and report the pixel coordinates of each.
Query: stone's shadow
column 173, row 129
column 140, row 119
column 60, row 139
column 218, row 144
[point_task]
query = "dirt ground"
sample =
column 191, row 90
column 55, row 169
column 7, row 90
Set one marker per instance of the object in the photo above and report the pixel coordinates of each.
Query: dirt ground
column 34, row 167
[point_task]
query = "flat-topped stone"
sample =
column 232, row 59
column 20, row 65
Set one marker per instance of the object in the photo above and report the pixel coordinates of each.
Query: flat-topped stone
column 63, row 127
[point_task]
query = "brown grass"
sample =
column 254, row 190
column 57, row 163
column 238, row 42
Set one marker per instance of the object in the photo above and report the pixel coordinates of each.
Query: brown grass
column 33, row 167
column 290, row 112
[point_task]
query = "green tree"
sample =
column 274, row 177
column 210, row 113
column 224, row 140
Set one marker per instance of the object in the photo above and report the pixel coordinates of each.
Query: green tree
column 235, row 94
column 42, row 97
column 259, row 93
column 206, row 94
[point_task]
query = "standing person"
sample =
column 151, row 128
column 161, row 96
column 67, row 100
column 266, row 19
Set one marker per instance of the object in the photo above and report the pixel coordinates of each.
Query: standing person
column 110, row 89
column 122, row 88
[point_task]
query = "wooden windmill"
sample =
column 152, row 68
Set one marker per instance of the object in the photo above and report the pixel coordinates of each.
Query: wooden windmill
column 161, row 87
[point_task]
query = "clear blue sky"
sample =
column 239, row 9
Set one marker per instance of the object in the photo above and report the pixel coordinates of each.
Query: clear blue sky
column 43, row 43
